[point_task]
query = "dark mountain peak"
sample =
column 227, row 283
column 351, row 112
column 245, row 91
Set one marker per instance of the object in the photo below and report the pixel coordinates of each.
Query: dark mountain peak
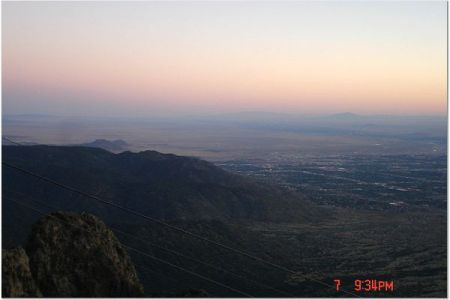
column 148, row 154
column 173, row 162
column 72, row 255
column 113, row 146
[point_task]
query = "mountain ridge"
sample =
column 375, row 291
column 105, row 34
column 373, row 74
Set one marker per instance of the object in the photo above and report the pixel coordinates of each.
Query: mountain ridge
column 164, row 186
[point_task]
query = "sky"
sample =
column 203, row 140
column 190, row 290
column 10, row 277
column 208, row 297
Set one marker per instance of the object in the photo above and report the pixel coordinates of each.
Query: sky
column 175, row 58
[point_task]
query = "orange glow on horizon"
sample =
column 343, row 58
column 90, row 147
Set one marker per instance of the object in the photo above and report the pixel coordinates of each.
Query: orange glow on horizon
column 228, row 72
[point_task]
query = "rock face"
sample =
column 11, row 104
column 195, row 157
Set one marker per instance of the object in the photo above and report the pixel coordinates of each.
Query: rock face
column 17, row 280
column 76, row 255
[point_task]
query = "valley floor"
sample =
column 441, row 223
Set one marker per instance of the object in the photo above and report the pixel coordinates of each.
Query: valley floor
column 407, row 248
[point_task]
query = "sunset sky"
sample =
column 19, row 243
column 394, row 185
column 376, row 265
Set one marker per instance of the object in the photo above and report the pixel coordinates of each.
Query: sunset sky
column 174, row 58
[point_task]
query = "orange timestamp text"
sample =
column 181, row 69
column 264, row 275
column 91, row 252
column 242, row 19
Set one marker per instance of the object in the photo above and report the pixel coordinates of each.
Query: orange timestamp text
column 369, row 285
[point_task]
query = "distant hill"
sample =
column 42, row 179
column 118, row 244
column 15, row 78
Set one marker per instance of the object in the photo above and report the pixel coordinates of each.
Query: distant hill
column 249, row 116
column 113, row 146
column 345, row 116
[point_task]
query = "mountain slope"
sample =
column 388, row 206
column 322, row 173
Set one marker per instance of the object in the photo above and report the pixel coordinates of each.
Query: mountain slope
column 160, row 185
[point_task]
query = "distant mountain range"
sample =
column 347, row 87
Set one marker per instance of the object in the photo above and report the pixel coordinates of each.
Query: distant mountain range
column 346, row 116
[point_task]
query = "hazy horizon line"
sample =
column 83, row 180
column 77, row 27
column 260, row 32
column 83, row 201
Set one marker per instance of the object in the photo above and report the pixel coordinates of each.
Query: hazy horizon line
column 219, row 114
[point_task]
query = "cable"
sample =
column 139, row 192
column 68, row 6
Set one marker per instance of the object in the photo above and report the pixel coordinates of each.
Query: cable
column 187, row 271
column 145, row 270
column 115, row 229
column 207, row 264
column 143, row 253
column 9, row 140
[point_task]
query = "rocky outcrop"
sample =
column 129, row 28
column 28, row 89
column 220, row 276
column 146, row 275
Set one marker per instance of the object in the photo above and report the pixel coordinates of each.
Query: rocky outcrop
column 17, row 280
column 76, row 255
